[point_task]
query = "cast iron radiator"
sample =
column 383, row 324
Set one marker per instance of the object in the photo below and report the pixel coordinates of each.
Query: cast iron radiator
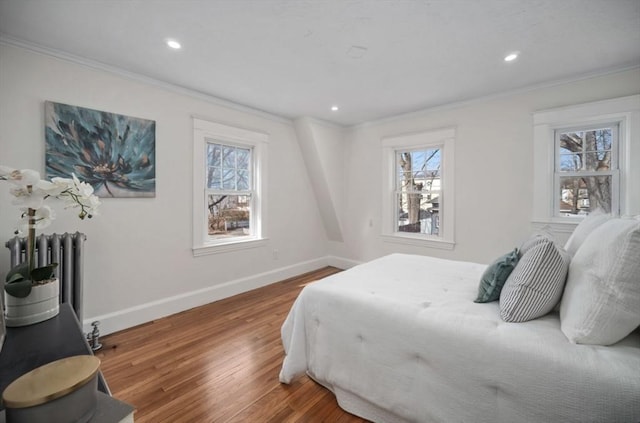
column 67, row 251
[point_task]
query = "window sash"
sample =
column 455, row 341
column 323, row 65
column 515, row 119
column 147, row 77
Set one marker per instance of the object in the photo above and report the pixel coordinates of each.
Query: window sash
column 615, row 130
column 224, row 190
column 231, row 223
column 613, row 171
column 426, row 227
column 420, row 173
column 240, row 167
column 428, row 219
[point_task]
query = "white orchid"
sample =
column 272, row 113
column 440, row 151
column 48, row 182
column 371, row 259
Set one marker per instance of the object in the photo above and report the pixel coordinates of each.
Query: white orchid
column 30, row 192
column 54, row 187
column 43, row 218
column 71, row 190
column 19, row 177
column 26, row 197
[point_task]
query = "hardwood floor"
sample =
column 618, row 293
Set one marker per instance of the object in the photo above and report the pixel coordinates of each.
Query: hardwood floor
column 217, row 363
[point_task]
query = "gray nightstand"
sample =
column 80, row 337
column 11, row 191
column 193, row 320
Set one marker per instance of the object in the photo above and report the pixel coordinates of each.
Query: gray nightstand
column 28, row 347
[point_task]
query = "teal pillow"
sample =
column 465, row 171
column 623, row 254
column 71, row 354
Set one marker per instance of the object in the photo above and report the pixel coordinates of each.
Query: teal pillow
column 495, row 276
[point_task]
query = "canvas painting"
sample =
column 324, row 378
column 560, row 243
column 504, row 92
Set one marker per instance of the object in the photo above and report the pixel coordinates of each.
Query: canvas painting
column 114, row 153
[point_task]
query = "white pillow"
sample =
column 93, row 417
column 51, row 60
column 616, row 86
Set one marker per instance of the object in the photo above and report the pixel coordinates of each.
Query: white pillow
column 601, row 301
column 582, row 231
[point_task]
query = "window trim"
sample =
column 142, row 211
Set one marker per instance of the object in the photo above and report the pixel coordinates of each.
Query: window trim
column 444, row 139
column 203, row 132
column 625, row 111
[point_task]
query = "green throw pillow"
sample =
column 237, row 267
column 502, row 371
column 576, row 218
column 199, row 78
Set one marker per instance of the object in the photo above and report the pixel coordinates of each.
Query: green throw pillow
column 495, row 276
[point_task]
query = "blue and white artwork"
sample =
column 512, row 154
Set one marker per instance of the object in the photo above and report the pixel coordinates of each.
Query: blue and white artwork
column 114, row 153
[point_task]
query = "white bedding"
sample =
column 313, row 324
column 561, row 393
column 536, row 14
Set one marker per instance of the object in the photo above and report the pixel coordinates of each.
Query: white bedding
column 400, row 339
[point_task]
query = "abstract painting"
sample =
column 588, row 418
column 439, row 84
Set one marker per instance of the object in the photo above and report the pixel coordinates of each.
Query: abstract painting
column 114, row 153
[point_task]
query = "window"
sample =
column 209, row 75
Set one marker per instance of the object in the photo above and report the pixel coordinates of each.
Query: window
column 586, row 170
column 229, row 173
column 582, row 161
column 418, row 190
column 418, row 193
column 229, row 191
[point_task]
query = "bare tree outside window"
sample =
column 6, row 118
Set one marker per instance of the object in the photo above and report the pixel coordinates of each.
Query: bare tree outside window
column 418, row 190
column 229, row 190
column 586, row 165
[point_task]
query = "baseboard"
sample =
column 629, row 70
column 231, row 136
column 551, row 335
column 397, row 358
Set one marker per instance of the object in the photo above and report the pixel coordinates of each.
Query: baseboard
column 123, row 319
column 342, row 263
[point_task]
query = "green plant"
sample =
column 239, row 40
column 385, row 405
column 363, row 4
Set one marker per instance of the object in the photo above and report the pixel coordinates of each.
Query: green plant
column 30, row 192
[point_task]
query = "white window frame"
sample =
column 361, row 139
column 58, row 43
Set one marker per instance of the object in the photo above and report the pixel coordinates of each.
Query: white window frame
column 438, row 138
column 623, row 111
column 205, row 132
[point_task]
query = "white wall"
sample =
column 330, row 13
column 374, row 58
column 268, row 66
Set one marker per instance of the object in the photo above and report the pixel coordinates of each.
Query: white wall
column 494, row 168
column 139, row 263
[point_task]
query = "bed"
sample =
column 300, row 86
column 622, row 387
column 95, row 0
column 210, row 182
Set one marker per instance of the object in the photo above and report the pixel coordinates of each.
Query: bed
column 399, row 339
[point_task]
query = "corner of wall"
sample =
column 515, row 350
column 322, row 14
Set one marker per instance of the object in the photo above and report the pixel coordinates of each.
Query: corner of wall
column 317, row 165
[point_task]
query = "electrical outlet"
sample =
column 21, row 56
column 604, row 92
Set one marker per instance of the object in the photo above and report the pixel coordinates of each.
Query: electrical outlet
column 275, row 254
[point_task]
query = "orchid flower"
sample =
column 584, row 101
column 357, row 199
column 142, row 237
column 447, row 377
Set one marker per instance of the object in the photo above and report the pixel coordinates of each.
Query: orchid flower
column 42, row 218
column 30, row 192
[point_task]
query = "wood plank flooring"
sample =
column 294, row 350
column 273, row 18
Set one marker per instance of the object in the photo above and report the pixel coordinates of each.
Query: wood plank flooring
column 217, row 363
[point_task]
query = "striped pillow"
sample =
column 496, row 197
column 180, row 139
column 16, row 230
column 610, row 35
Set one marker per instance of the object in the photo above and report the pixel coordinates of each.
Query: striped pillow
column 534, row 240
column 535, row 286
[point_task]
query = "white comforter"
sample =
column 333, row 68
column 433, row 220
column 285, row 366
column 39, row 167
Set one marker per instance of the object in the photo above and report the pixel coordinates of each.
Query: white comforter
column 400, row 339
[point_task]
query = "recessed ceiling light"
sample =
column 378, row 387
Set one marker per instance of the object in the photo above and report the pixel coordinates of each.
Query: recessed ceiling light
column 174, row 44
column 511, row 57
column 334, row 108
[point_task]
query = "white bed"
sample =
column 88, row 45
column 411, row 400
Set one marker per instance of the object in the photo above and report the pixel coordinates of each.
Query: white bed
column 399, row 339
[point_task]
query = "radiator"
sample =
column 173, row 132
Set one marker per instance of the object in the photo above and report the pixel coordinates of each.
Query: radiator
column 67, row 251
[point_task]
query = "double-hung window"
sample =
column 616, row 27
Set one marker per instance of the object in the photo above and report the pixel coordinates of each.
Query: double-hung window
column 229, row 174
column 584, row 160
column 418, row 188
column 229, row 192
column 586, row 170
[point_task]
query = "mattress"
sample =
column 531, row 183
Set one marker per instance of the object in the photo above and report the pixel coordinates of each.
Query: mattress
column 399, row 339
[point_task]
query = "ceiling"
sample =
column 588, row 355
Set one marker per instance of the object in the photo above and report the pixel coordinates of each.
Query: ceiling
column 373, row 59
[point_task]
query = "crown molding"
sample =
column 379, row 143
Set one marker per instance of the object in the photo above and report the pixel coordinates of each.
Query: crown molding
column 495, row 96
column 62, row 55
column 94, row 64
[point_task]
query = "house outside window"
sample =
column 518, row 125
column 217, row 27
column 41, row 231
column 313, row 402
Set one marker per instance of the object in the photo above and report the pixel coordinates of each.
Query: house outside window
column 418, row 189
column 229, row 176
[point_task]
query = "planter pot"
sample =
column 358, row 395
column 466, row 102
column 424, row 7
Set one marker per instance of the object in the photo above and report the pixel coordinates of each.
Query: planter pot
column 41, row 304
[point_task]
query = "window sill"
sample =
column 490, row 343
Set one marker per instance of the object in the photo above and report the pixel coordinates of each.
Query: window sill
column 420, row 241
column 556, row 224
column 207, row 249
